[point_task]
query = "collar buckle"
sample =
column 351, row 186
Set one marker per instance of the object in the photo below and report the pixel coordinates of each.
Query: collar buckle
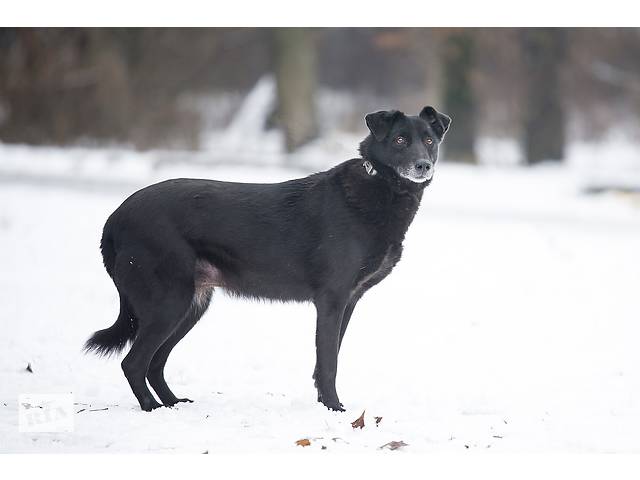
column 369, row 168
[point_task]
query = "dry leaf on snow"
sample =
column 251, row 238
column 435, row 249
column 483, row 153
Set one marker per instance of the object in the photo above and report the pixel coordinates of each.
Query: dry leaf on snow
column 303, row 442
column 359, row 422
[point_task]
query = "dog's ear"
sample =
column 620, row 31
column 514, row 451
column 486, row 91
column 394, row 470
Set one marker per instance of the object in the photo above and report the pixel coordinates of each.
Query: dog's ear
column 438, row 121
column 380, row 123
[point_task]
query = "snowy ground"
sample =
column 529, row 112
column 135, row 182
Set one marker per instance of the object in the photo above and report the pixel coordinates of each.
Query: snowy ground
column 511, row 323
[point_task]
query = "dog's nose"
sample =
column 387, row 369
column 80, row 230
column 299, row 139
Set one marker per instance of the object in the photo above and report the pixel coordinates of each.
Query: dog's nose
column 423, row 166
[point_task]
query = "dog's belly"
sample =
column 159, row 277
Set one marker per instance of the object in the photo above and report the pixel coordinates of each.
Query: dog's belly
column 289, row 284
column 273, row 285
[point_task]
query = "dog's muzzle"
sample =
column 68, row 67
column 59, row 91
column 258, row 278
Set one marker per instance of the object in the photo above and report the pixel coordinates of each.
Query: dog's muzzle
column 421, row 171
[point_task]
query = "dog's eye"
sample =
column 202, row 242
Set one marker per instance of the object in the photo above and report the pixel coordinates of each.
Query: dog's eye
column 400, row 140
column 428, row 141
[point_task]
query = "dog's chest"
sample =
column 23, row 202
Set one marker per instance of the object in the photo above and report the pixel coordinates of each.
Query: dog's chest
column 377, row 267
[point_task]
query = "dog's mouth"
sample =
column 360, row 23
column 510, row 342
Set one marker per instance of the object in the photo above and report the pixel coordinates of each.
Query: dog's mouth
column 417, row 176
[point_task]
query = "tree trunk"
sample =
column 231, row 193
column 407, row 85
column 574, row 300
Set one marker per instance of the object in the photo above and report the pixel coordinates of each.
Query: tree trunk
column 295, row 69
column 543, row 52
column 458, row 97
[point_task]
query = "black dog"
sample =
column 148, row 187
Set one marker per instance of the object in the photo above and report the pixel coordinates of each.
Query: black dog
column 326, row 238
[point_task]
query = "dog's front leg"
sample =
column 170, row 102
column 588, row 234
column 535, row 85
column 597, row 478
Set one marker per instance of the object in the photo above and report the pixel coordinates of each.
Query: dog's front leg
column 329, row 308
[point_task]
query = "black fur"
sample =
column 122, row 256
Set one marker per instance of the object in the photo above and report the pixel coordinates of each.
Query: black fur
column 326, row 238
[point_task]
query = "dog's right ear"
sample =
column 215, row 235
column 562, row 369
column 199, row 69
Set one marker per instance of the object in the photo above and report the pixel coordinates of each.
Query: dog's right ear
column 380, row 123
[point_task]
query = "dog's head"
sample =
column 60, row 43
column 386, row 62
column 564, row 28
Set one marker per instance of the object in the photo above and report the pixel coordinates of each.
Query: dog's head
column 407, row 145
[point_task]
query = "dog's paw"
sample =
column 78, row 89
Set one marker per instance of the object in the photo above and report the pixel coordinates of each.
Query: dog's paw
column 179, row 400
column 332, row 402
column 149, row 407
column 334, row 406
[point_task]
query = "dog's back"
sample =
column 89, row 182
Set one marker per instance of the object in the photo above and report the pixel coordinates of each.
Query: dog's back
column 261, row 238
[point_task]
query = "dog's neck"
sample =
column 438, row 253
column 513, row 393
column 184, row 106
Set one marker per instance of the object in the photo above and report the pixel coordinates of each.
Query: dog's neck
column 381, row 200
column 385, row 201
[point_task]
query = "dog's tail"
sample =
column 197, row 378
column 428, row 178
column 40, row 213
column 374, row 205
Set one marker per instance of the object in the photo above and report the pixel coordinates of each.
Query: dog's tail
column 115, row 338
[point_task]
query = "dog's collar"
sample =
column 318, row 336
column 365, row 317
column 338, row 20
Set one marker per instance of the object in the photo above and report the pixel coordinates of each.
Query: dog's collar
column 369, row 168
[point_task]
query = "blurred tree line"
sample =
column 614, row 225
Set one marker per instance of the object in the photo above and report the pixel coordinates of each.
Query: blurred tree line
column 540, row 86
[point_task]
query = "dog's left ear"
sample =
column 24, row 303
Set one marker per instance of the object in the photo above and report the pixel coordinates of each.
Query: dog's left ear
column 438, row 121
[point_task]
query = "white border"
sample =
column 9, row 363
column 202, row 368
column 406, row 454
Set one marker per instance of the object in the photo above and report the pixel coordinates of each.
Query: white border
column 316, row 465
column 251, row 13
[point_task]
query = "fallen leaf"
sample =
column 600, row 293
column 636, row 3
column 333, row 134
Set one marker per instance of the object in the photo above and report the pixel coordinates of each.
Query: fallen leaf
column 359, row 422
column 303, row 442
column 394, row 445
column 378, row 420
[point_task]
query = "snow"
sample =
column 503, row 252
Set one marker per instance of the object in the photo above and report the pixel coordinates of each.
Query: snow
column 511, row 323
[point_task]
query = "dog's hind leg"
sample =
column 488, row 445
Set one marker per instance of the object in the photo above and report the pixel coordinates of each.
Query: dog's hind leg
column 149, row 339
column 159, row 287
column 330, row 309
column 155, row 375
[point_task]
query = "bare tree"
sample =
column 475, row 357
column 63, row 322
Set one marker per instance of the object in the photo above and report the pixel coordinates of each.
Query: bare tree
column 457, row 50
column 543, row 51
column 295, row 69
